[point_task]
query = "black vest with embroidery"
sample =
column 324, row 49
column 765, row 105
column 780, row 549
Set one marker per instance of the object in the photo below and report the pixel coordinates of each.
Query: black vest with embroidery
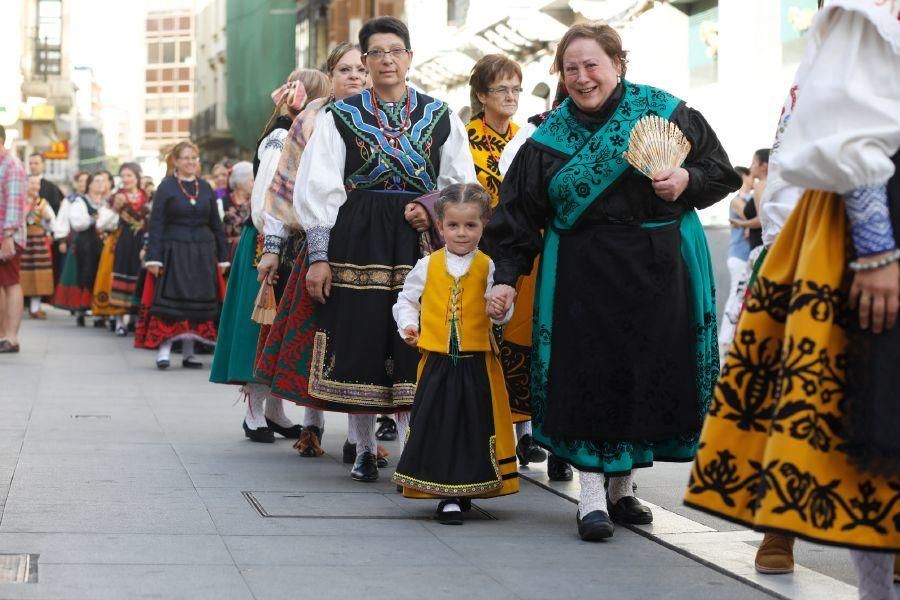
column 378, row 161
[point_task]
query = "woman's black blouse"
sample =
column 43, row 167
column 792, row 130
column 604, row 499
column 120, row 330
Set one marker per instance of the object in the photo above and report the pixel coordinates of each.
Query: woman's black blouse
column 174, row 218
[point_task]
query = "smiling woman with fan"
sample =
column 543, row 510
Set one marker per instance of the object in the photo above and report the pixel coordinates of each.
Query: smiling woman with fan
column 624, row 353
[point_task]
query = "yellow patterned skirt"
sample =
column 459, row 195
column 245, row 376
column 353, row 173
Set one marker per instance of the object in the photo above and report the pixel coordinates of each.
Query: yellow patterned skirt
column 100, row 305
column 770, row 454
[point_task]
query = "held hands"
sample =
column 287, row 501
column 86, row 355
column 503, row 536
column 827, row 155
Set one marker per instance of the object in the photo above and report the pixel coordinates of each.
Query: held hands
column 267, row 268
column 671, row 183
column 877, row 294
column 411, row 336
column 417, row 217
column 500, row 300
column 318, row 281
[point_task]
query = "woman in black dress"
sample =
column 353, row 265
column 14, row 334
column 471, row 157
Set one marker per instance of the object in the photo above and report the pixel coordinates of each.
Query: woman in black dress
column 186, row 251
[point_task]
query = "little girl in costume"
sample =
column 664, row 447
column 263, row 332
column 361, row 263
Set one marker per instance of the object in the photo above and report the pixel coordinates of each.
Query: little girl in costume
column 460, row 443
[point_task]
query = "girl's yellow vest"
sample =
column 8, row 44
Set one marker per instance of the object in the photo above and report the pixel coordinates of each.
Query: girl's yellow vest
column 448, row 302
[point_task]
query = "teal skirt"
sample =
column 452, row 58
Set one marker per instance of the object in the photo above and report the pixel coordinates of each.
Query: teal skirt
column 238, row 333
column 620, row 457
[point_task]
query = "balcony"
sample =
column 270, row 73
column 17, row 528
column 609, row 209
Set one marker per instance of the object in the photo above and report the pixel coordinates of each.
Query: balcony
column 204, row 130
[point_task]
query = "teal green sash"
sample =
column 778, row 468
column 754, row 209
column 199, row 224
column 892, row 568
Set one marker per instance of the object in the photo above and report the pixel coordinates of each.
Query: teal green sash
column 595, row 163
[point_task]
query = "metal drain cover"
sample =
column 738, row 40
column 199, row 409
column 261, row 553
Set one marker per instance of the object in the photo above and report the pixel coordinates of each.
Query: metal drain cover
column 18, row 568
column 343, row 505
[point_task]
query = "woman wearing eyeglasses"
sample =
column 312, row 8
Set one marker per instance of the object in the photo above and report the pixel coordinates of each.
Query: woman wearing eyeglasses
column 370, row 157
column 494, row 88
column 186, row 251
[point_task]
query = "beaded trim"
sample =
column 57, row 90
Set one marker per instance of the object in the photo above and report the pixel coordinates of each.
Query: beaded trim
column 317, row 239
column 369, row 277
column 272, row 244
column 465, row 489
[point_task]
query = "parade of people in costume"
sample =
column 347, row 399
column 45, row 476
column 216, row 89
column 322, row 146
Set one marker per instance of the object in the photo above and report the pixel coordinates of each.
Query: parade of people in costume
column 493, row 296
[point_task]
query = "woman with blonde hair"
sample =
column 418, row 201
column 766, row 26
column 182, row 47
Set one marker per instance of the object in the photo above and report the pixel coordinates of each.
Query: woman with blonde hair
column 186, row 252
column 238, row 333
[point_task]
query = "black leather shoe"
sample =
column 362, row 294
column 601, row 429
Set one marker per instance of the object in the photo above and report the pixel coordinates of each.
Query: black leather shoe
column 528, row 451
column 387, row 429
column 557, row 470
column 595, row 526
column 293, row 432
column 365, row 468
column 79, row 320
column 99, row 322
column 190, row 363
column 348, row 455
column 630, row 511
column 449, row 517
column 163, row 364
column 262, row 435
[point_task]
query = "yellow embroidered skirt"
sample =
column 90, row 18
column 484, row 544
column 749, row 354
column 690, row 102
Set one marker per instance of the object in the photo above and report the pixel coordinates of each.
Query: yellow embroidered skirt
column 770, row 454
column 100, row 305
column 460, row 441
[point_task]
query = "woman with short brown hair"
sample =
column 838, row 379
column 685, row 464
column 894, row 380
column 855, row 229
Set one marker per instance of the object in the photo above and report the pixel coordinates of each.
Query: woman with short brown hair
column 624, row 348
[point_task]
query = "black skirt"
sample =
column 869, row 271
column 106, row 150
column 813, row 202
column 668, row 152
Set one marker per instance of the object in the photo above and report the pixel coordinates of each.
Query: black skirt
column 450, row 450
column 188, row 287
column 622, row 298
column 360, row 363
column 87, row 250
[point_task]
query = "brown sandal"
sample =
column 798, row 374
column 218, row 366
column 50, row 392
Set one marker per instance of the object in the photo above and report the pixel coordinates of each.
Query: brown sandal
column 309, row 444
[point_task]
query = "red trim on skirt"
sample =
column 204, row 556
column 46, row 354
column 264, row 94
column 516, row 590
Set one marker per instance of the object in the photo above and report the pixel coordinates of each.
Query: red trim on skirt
column 151, row 330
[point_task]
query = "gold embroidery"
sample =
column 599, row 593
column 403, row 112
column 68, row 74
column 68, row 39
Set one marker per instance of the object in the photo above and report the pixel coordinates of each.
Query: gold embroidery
column 360, row 394
column 369, row 277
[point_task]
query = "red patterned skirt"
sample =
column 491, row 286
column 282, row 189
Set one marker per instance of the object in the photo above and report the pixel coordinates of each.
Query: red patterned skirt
column 152, row 330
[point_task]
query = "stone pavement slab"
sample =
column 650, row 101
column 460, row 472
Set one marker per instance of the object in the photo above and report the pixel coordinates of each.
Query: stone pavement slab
column 134, row 483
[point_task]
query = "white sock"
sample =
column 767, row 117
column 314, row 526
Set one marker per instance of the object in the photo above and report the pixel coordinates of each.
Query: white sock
column 593, row 496
column 523, row 428
column 451, row 507
column 256, row 396
column 34, row 303
column 165, row 351
column 402, row 419
column 120, row 321
column 313, row 417
column 875, row 572
column 351, row 435
column 363, row 427
column 619, row 487
column 187, row 349
column 275, row 411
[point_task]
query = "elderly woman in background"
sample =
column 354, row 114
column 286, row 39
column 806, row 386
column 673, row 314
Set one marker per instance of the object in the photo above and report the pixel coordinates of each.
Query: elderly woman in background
column 624, row 347
column 185, row 244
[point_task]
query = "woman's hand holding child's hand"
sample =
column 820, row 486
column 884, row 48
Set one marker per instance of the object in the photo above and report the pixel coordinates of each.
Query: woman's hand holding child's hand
column 411, row 336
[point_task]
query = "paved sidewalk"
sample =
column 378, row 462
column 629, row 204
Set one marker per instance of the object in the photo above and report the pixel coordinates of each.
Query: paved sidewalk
column 133, row 483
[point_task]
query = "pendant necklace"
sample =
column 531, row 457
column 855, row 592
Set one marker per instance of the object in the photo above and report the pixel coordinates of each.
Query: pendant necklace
column 192, row 198
column 391, row 133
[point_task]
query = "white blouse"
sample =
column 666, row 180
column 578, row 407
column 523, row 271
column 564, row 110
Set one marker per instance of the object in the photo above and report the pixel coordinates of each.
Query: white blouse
column 319, row 189
column 269, row 153
column 845, row 127
column 107, row 219
column 513, row 146
column 79, row 217
column 408, row 307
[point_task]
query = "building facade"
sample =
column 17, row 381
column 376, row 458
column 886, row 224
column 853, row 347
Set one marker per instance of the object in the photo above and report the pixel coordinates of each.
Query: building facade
column 169, row 79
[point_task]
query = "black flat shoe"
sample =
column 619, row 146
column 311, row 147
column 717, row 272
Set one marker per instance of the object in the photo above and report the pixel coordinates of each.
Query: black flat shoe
column 449, row 517
column 557, row 470
column 387, row 429
column 528, row 451
column 79, row 320
column 365, row 468
column 261, row 435
column 163, row 364
column 595, row 526
column 190, row 363
column 630, row 511
column 348, row 455
column 292, row 433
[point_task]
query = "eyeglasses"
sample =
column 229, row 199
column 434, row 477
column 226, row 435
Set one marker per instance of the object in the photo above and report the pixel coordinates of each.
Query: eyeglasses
column 503, row 91
column 188, row 158
column 379, row 54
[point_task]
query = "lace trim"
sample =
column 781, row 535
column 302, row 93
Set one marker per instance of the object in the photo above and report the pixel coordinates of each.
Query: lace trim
column 870, row 219
column 272, row 244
